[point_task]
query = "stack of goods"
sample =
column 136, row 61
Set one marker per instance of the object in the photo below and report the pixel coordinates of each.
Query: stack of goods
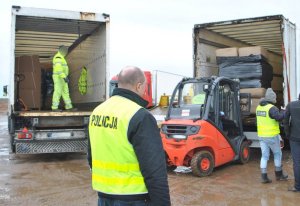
column 256, row 95
column 47, row 86
column 28, row 80
column 249, row 65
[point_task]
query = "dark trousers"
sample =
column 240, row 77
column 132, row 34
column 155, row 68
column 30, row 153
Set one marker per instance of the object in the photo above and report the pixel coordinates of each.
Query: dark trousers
column 112, row 202
column 295, row 150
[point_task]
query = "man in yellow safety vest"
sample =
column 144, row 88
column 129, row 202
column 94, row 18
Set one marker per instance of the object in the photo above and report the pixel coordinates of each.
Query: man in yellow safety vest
column 61, row 80
column 125, row 152
column 268, row 117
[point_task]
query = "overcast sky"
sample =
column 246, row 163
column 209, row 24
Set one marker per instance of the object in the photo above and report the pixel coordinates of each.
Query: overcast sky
column 153, row 35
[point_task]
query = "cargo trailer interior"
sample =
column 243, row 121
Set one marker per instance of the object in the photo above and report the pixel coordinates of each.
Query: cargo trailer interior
column 275, row 34
column 36, row 36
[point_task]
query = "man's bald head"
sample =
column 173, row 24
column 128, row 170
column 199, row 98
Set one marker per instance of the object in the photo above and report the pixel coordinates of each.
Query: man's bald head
column 131, row 78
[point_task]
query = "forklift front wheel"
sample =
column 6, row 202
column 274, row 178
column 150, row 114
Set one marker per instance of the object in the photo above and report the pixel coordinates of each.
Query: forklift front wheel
column 202, row 163
column 244, row 153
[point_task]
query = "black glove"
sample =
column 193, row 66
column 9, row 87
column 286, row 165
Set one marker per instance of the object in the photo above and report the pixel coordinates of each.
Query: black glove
column 67, row 80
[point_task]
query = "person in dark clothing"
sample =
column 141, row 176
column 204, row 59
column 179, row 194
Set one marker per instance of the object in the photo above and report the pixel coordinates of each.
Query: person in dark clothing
column 125, row 151
column 292, row 130
column 268, row 117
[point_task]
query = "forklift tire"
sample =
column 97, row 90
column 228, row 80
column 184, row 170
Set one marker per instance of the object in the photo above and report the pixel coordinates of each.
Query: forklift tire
column 244, row 154
column 169, row 165
column 202, row 163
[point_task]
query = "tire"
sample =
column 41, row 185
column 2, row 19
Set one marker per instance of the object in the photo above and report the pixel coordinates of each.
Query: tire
column 170, row 167
column 11, row 142
column 202, row 163
column 11, row 135
column 244, row 154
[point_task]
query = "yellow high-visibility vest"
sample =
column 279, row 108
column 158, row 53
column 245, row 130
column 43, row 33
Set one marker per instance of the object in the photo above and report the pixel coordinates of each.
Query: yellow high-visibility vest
column 60, row 66
column 266, row 126
column 82, row 82
column 198, row 99
column 115, row 168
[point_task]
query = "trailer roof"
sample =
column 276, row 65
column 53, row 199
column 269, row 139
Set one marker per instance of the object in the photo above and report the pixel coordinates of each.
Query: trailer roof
column 261, row 31
column 41, row 35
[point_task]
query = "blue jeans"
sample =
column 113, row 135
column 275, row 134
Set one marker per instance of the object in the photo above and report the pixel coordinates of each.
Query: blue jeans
column 295, row 150
column 112, row 202
column 267, row 144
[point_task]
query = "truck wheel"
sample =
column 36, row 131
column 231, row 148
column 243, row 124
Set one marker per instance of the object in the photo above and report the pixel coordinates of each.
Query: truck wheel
column 244, row 154
column 11, row 142
column 202, row 163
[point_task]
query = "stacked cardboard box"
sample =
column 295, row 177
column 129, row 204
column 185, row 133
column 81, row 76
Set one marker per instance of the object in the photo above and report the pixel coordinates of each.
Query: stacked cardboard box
column 256, row 95
column 47, row 85
column 250, row 65
column 29, row 71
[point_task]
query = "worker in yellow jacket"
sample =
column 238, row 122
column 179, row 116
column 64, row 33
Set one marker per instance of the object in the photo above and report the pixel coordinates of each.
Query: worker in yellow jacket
column 61, row 79
column 125, row 150
column 268, row 117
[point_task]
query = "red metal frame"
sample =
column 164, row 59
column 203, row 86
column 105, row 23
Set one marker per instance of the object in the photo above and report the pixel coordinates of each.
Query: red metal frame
column 180, row 152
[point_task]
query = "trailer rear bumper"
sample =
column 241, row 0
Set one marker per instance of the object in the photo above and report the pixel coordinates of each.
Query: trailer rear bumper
column 59, row 146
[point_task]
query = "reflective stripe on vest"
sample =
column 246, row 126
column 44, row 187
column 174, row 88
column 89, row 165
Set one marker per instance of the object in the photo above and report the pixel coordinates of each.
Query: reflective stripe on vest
column 60, row 66
column 115, row 168
column 266, row 126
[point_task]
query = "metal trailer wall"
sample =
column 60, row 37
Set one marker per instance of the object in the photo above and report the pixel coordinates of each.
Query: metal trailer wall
column 291, row 71
column 91, row 54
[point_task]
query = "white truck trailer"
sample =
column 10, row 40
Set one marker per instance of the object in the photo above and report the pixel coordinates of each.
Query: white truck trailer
column 276, row 34
column 33, row 127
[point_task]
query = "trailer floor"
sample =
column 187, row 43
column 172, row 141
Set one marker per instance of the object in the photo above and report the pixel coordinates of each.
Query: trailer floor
column 65, row 179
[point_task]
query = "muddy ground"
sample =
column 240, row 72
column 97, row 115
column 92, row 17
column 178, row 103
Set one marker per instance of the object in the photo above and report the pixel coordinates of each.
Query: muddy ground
column 65, row 179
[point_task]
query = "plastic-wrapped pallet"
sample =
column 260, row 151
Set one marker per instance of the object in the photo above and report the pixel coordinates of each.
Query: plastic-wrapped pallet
column 253, row 71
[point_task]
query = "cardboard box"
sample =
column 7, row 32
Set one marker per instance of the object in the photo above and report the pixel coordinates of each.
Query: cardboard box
column 227, row 52
column 27, row 64
column 254, row 104
column 29, row 71
column 277, row 83
column 30, row 80
column 277, row 68
column 254, row 50
column 46, row 65
column 255, row 92
column 31, row 98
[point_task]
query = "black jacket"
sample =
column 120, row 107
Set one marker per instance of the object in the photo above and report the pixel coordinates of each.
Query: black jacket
column 144, row 136
column 274, row 112
column 292, row 121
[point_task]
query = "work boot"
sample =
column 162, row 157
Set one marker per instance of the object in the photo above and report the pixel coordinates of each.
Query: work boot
column 280, row 175
column 264, row 178
column 293, row 189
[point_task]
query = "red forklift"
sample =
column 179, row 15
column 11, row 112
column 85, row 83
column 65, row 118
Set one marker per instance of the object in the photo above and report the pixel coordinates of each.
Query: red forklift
column 203, row 126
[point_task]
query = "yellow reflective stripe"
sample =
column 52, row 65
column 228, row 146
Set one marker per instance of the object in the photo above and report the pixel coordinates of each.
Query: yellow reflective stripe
column 266, row 127
column 118, row 180
column 57, row 72
column 116, row 166
column 54, row 64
